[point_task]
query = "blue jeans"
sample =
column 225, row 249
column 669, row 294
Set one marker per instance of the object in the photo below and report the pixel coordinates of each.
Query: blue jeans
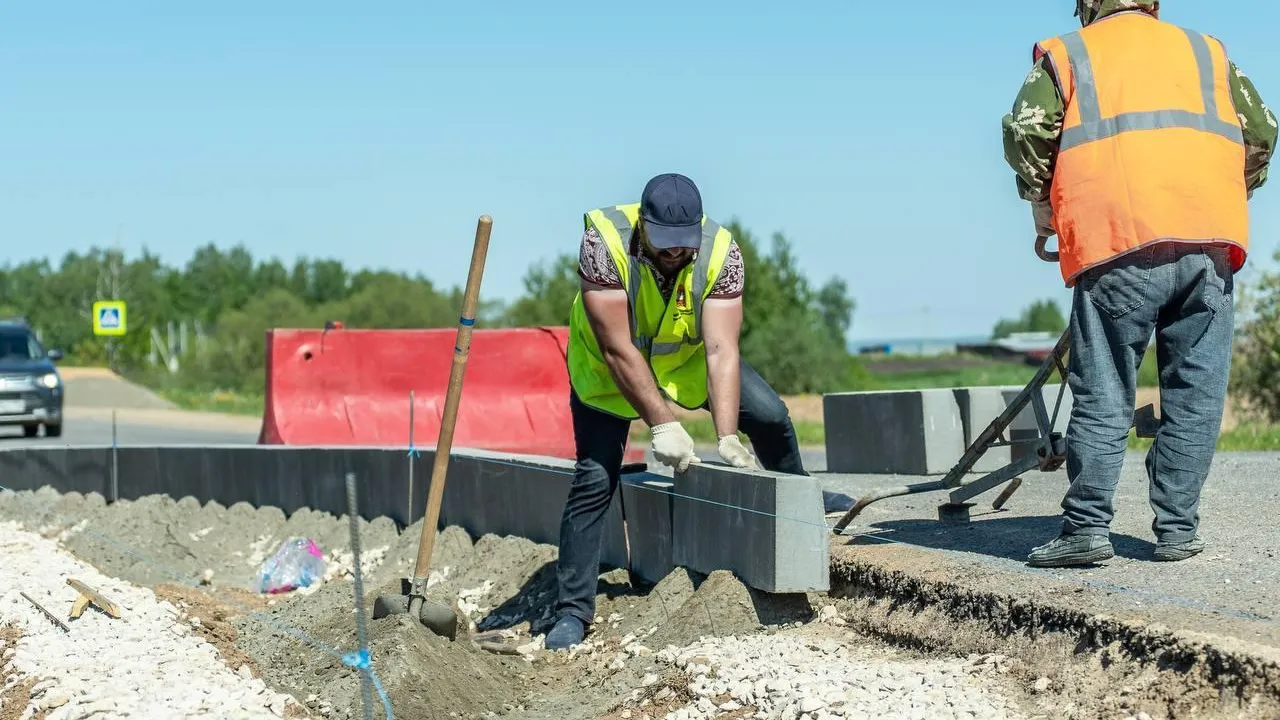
column 601, row 439
column 1183, row 294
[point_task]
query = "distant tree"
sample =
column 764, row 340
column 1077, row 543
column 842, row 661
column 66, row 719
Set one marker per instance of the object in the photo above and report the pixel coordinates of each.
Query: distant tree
column 1255, row 373
column 549, row 290
column 235, row 358
column 1039, row 316
column 392, row 302
column 793, row 336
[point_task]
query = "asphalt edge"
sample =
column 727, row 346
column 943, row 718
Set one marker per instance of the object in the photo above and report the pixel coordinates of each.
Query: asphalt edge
column 1186, row 673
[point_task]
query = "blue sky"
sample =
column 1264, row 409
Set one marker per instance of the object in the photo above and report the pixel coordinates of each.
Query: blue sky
column 867, row 133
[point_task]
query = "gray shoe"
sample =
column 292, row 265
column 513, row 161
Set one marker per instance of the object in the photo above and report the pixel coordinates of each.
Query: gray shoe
column 1179, row 551
column 1067, row 550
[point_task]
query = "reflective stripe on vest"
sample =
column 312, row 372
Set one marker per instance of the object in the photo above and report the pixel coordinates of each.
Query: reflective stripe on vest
column 645, row 344
column 1094, row 127
column 1151, row 148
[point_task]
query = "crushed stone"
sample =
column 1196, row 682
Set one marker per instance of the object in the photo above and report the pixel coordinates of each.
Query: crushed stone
column 146, row 663
column 802, row 674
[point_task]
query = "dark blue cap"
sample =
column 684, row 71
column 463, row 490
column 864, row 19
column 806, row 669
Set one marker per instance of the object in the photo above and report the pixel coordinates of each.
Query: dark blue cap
column 672, row 210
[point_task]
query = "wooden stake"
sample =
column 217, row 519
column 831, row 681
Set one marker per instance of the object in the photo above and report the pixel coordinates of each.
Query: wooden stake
column 89, row 596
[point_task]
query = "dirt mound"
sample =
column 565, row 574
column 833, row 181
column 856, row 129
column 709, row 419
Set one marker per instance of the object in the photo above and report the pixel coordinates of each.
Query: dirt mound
column 101, row 388
column 424, row 675
column 157, row 540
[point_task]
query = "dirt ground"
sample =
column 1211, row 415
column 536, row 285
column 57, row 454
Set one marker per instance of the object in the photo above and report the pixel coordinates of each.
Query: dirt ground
column 15, row 698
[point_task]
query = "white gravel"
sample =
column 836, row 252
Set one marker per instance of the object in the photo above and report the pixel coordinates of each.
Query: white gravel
column 794, row 676
column 146, row 664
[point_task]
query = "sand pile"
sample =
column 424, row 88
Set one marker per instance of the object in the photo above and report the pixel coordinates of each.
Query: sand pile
column 426, row 676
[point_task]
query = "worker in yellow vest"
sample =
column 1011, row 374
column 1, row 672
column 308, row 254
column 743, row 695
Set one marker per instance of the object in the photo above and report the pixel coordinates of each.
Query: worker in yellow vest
column 1139, row 143
column 656, row 320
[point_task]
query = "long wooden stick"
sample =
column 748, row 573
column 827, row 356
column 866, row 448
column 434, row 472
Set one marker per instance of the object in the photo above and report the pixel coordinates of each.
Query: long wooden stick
column 462, row 347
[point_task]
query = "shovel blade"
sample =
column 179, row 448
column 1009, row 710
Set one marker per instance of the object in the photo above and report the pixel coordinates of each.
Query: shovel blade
column 385, row 605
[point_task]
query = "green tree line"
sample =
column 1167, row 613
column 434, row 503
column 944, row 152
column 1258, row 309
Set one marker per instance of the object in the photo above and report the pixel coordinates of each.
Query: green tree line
column 794, row 331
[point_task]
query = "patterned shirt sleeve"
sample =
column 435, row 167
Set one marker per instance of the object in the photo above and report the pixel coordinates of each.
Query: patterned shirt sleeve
column 1031, row 132
column 595, row 264
column 732, row 278
column 1259, row 127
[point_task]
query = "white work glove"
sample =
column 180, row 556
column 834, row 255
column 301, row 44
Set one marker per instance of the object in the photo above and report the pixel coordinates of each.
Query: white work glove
column 735, row 454
column 1042, row 214
column 672, row 446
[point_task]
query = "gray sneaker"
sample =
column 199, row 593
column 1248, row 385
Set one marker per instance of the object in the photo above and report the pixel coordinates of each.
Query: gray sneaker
column 1067, row 550
column 1179, row 551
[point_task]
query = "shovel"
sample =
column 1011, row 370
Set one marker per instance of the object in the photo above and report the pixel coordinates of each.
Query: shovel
column 412, row 599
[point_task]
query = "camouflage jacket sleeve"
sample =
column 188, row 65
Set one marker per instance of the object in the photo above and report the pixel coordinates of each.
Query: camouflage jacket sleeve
column 1031, row 131
column 1259, row 125
column 1032, row 128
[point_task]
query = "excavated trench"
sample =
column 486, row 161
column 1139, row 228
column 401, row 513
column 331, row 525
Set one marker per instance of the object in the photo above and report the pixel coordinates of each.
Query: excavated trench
column 881, row 644
column 1083, row 664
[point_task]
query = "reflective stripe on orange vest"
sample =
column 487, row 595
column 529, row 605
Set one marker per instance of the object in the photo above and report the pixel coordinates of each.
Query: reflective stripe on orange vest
column 1151, row 146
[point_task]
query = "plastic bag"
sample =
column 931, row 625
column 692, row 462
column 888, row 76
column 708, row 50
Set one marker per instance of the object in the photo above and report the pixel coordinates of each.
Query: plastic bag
column 298, row 563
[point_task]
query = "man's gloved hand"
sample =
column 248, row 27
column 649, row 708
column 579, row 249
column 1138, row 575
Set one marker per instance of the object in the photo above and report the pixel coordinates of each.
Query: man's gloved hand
column 735, row 454
column 1042, row 214
column 672, row 446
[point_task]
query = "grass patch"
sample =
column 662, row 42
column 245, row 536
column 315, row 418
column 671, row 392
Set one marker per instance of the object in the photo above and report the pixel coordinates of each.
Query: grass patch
column 995, row 374
column 953, row 371
column 1249, row 437
column 219, row 401
column 703, row 431
column 1253, row 437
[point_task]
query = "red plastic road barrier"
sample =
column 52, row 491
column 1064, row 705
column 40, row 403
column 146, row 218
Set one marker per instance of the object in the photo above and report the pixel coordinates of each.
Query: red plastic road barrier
column 351, row 387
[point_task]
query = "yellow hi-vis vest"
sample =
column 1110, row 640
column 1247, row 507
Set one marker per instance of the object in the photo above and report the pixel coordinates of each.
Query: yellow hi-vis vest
column 668, row 334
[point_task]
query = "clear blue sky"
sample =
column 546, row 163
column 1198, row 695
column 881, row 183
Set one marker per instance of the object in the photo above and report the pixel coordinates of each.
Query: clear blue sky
column 867, row 133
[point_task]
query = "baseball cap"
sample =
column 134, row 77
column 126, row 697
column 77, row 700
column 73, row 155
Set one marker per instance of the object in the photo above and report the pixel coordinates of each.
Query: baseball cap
column 672, row 210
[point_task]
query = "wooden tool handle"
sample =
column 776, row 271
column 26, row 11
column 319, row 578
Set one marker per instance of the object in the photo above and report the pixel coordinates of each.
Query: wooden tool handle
column 462, row 346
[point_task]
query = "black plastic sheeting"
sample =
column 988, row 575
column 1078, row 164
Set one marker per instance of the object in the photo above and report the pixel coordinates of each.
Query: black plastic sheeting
column 484, row 493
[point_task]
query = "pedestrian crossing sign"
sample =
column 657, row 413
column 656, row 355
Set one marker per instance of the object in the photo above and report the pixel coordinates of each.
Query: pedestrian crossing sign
column 108, row 317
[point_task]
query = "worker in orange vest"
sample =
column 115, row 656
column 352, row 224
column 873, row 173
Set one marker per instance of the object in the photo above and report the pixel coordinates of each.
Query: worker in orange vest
column 1138, row 144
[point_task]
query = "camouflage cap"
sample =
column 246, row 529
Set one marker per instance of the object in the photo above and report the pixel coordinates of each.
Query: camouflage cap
column 1091, row 10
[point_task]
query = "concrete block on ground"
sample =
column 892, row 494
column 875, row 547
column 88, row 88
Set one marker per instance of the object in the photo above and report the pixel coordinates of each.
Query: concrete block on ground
column 909, row 432
column 768, row 528
column 647, row 506
column 979, row 406
column 65, row 469
column 485, row 492
column 289, row 478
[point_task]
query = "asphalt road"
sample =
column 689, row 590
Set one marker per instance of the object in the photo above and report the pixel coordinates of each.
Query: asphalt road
column 1237, row 575
column 84, row 427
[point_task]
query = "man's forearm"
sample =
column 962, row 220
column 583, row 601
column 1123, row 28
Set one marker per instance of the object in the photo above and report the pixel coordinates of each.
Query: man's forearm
column 724, row 386
column 635, row 380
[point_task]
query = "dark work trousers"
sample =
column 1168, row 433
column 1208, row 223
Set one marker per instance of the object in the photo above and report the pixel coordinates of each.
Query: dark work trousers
column 1183, row 295
column 601, row 439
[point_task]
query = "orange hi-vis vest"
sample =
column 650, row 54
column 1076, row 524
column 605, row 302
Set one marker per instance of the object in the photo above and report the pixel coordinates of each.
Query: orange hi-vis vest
column 1151, row 147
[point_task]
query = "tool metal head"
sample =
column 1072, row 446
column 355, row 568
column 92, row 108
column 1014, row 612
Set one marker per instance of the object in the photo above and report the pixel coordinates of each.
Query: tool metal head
column 439, row 619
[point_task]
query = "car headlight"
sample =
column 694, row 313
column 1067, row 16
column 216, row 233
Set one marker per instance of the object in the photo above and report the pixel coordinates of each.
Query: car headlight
column 50, row 381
